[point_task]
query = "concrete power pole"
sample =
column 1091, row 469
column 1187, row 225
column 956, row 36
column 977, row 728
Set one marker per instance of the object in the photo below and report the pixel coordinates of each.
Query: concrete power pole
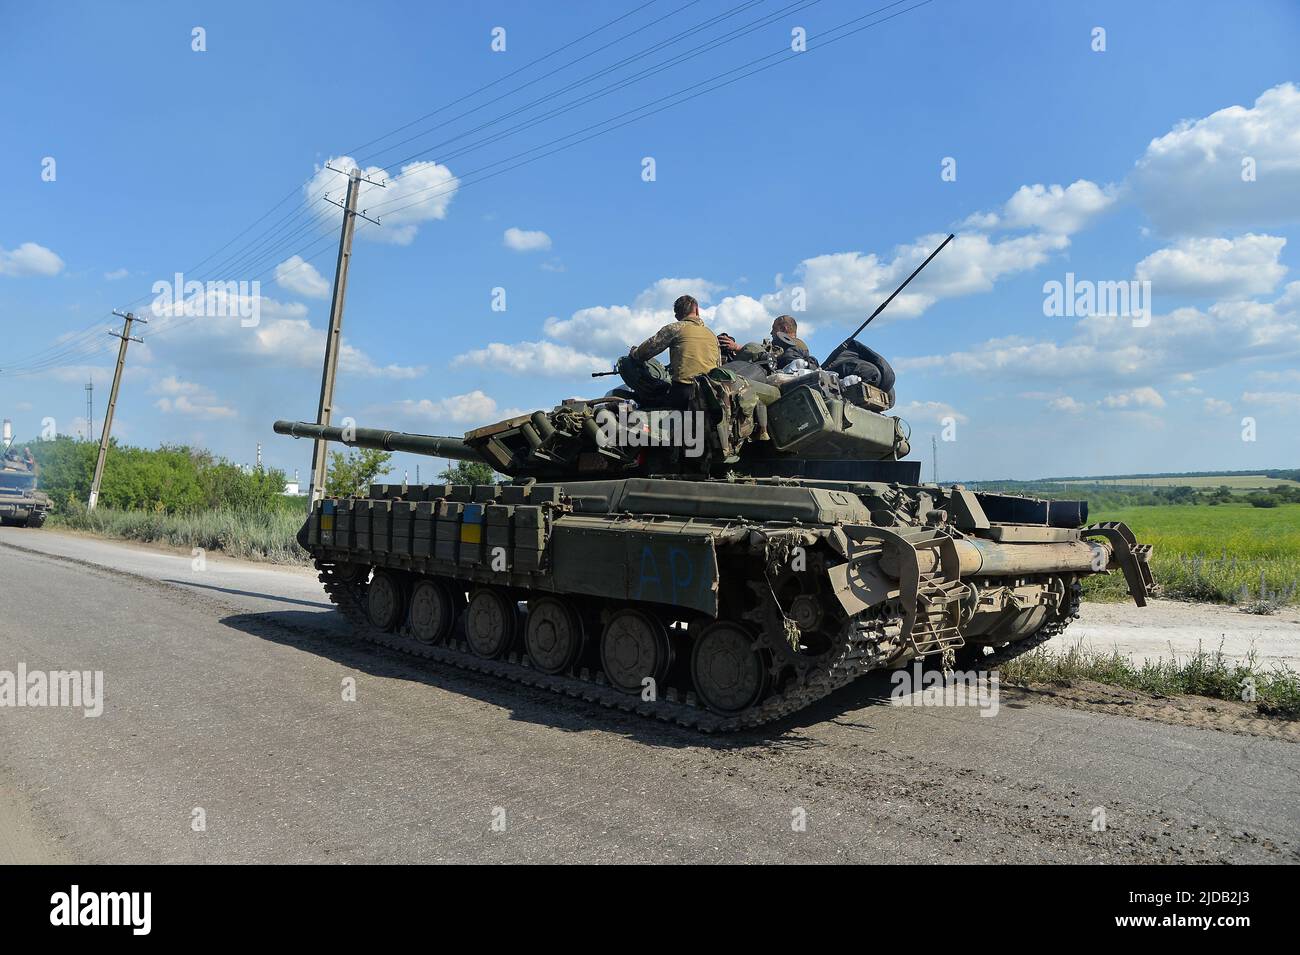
column 934, row 459
column 90, row 410
column 326, row 408
column 127, row 320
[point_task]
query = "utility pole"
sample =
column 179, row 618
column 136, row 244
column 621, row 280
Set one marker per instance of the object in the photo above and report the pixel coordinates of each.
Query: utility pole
column 325, row 409
column 90, row 409
column 934, row 459
column 127, row 319
column 259, row 456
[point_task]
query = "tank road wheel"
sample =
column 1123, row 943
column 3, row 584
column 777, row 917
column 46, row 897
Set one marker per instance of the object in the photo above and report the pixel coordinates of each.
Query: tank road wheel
column 384, row 601
column 726, row 669
column 491, row 620
column 432, row 611
column 554, row 636
column 635, row 646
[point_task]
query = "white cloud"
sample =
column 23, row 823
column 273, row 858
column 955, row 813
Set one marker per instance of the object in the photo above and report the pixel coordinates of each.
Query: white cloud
column 833, row 287
column 1067, row 405
column 189, row 399
column 931, row 411
column 1055, row 209
column 535, row 358
column 843, row 284
column 521, row 240
column 1144, row 397
column 421, row 192
column 611, row 329
column 474, row 408
column 745, row 318
column 1216, row 407
column 30, row 259
column 1190, row 179
column 1112, row 350
column 282, row 336
column 116, row 274
column 1226, row 268
column 171, row 385
column 297, row 275
column 1287, row 401
column 664, row 292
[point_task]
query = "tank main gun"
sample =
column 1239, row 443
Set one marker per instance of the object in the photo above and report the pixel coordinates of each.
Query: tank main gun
column 435, row 446
column 563, row 443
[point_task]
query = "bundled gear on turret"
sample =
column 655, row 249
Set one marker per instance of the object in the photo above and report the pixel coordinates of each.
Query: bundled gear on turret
column 854, row 362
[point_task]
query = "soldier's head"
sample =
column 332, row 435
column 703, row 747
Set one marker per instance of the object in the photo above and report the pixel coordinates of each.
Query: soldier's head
column 685, row 307
column 785, row 325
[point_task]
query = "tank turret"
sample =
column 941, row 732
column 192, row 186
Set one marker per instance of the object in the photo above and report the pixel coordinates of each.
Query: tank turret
column 809, row 425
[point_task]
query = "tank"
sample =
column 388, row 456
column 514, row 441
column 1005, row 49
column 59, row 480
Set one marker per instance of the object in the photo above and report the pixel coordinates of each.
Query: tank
column 21, row 504
column 719, row 565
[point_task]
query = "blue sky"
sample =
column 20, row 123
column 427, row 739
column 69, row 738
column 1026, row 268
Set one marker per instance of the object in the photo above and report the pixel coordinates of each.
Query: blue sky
column 821, row 174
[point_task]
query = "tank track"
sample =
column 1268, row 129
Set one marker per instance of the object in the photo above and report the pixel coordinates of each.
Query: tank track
column 675, row 706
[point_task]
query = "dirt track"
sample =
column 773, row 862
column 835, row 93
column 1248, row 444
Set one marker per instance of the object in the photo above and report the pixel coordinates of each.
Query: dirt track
column 1171, row 626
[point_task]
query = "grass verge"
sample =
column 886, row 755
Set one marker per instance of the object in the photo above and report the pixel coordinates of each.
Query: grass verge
column 249, row 535
column 1210, row 674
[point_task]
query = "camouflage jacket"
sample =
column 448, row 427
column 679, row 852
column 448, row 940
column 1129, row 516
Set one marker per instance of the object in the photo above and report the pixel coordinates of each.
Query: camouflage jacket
column 692, row 348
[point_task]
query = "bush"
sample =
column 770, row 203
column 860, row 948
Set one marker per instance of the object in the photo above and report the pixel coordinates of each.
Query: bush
column 172, row 479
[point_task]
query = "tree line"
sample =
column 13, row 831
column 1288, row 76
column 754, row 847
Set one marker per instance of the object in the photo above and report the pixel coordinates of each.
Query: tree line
column 179, row 479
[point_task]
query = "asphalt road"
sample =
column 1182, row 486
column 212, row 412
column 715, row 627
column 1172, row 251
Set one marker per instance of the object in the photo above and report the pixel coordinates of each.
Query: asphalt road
column 224, row 693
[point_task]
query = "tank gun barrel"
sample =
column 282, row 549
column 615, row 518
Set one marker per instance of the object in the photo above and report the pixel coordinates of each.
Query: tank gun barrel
column 435, row 446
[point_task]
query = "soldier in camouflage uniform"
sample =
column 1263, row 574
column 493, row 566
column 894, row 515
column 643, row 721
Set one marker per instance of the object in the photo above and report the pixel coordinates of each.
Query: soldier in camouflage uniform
column 692, row 349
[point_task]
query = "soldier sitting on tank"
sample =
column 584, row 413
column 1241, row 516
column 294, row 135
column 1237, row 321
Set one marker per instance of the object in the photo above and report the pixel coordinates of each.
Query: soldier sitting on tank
column 692, row 350
column 779, row 351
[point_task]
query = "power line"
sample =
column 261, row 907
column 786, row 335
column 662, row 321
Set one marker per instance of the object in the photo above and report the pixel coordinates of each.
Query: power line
column 279, row 237
column 694, row 90
column 726, row 14
column 276, row 239
column 674, row 99
column 56, row 353
column 681, row 96
column 518, row 70
column 624, row 83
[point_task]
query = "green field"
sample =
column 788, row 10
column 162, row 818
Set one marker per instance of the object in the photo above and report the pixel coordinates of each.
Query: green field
column 1237, row 482
column 1214, row 553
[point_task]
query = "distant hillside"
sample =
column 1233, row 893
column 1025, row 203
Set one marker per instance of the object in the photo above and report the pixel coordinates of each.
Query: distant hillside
column 1237, row 481
column 1188, row 478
